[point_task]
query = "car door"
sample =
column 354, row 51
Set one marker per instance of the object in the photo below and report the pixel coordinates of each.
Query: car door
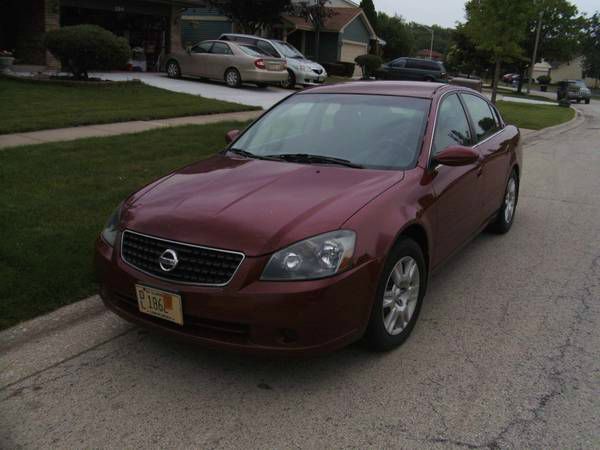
column 195, row 62
column 457, row 189
column 219, row 59
column 493, row 148
column 396, row 69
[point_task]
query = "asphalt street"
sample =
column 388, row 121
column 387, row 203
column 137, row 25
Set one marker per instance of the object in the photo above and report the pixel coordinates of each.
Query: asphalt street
column 506, row 354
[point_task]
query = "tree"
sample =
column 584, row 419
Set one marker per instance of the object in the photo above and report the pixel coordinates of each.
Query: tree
column 252, row 15
column 421, row 38
column 560, row 34
column 316, row 13
column 591, row 47
column 394, row 31
column 369, row 8
column 463, row 55
column 498, row 27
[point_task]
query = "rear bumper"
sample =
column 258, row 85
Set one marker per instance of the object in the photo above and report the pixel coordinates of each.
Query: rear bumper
column 264, row 76
column 275, row 318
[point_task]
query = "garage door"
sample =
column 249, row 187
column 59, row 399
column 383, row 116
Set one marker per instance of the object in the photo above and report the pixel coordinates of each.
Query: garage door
column 350, row 50
column 202, row 30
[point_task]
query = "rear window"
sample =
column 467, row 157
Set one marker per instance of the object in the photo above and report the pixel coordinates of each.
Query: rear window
column 250, row 50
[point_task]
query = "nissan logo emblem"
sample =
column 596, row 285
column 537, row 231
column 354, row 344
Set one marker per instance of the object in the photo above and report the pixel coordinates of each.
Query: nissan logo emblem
column 168, row 260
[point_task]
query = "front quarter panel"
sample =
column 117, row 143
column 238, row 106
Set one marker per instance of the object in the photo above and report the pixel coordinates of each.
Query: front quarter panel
column 380, row 223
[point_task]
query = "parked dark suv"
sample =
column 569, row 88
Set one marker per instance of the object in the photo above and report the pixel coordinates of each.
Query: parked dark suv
column 414, row 69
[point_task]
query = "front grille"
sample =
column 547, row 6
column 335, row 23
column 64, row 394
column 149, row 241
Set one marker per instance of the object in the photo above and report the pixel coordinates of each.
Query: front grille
column 197, row 264
column 318, row 71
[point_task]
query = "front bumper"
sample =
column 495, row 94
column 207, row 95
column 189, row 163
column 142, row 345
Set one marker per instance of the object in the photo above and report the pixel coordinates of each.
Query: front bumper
column 278, row 318
column 310, row 78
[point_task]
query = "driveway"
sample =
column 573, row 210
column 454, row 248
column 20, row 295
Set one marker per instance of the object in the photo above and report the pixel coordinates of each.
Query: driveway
column 247, row 94
column 506, row 354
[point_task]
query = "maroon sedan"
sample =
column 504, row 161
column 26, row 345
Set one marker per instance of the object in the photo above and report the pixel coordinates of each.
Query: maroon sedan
column 319, row 224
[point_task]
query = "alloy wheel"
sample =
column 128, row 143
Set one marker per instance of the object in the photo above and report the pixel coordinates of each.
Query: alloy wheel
column 510, row 200
column 401, row 295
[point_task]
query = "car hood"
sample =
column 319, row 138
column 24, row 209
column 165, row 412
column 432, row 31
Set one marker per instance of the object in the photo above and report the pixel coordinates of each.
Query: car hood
column 250, row 205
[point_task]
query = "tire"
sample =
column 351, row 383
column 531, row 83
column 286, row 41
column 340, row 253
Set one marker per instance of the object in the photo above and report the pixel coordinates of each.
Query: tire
column 587, row 101
column 383, row 333
column 506, row 216
column 173, row 69
column 290, row 83
column 233, row 78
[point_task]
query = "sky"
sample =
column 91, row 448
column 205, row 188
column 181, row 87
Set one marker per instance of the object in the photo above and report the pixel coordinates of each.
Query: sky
column 447, row 12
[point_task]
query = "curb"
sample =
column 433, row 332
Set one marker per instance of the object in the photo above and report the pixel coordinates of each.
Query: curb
column 556, row 129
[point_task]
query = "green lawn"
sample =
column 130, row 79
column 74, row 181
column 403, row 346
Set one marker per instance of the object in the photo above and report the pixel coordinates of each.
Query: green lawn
column 56, row 197
column 28, row 105
column 534, row 117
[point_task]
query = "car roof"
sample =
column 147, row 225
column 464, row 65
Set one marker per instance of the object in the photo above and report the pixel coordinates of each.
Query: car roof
column 247, row 35
column 397, row 88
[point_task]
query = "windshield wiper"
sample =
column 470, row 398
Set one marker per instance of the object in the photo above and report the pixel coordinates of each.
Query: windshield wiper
column 239, row 151
column 315, row 159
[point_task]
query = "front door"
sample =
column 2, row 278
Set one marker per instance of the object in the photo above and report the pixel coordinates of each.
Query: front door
column 457, row 189
column 494, row 150
column 196, row 63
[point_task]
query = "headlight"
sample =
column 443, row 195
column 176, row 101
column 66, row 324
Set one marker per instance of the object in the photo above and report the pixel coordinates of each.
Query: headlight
column 109, row 233
column 316, row 257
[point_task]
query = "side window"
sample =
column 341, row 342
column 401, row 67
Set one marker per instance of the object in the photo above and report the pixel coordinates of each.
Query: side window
column 203, row 47
column 398, row 64
column 267, row 48
column 452, row 126
column 483, row 120
column 219, row 48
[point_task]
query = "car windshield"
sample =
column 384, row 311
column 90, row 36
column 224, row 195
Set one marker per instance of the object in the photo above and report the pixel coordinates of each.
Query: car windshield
column 251, row 50
column 371, row 131
column 287, row 50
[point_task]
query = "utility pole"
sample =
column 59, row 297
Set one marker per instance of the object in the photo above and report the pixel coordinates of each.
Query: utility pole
column 432, row 31
column 535, row 49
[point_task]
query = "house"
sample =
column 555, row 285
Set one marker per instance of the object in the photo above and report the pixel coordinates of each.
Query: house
column 571, row 70
column 430, row 54
column 152, row 26
column 542, row 68
column 346, row 34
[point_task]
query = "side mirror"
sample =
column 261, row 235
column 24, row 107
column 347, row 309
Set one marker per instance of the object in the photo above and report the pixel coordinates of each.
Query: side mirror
column 457, row 156
column 188, row 50
column 231, row 136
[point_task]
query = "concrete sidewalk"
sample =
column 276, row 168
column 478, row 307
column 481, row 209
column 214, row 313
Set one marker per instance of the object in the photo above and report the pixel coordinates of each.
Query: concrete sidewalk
column 113, row 129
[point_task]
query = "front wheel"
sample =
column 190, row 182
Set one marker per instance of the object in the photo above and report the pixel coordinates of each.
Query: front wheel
column 173, row 70
column 587, row 101
column 290, row 83
column 506, row 213
column 233, row 78
column 399, row 296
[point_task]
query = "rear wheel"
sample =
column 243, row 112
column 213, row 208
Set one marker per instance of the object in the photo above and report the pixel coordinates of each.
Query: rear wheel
column 399, row 296
column 233, row 78
column 506, row 213
column 173, row 70
column 587, row 101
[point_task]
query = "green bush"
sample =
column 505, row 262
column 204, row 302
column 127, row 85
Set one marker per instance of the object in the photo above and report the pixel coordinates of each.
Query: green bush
column 82, row 48
column 544, row 79
column 369, row 64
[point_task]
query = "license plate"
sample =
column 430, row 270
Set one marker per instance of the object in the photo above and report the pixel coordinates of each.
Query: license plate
column 157, row 303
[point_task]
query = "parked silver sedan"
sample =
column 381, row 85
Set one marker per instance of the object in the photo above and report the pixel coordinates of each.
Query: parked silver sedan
column 228, row 61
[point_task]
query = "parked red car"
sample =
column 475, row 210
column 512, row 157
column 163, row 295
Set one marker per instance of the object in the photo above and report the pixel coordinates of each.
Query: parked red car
column 319, row 224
